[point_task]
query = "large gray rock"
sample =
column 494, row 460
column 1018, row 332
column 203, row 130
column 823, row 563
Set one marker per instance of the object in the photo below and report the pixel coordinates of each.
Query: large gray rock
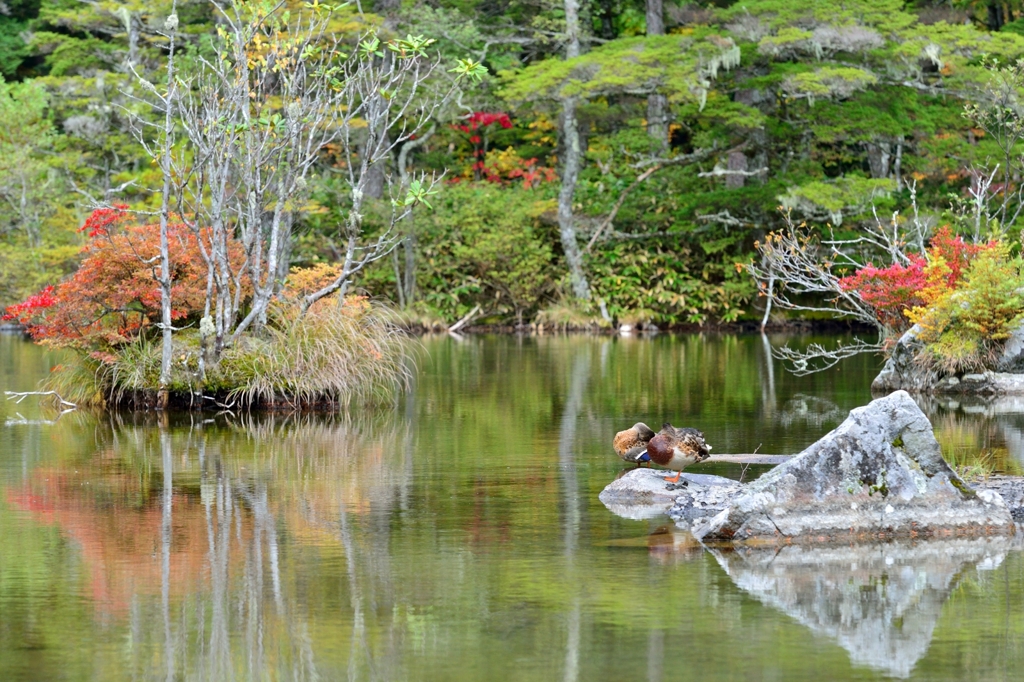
column 880, row 474
column 879, row 601
column 644, row 494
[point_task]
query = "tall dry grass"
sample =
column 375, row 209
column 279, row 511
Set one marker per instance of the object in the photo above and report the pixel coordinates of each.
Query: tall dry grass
column 331, row 355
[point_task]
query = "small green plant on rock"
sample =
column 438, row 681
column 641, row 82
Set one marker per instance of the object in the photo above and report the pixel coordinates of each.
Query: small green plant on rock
column 972, row 468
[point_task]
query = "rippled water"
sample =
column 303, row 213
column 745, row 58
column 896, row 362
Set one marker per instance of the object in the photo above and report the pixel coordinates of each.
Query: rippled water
column 458, row 535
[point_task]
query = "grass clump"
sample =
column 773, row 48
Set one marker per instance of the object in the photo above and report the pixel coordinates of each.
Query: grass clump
column 333, row 354
column 973, row 468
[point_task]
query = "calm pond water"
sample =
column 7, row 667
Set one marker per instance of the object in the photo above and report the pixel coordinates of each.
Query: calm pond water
column 458, row 535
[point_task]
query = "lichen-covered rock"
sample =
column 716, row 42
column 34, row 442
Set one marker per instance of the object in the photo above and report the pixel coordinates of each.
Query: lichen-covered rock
column 699, row 501
column 901, row 371
column 644, row 494
column 1012, row 358
column 1010, row 488
column 880, row 474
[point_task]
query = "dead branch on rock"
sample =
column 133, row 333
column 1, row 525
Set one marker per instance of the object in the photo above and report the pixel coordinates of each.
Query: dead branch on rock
column 803, row 270
column 816, row 358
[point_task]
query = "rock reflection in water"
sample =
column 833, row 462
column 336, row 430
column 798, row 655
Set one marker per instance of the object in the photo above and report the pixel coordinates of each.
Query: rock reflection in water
column 811, row 410
column 880, row 602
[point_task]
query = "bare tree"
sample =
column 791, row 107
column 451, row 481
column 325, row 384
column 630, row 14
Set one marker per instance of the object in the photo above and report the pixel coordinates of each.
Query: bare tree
column 166, row 148
column 406, row 280
column 996, row 193
column 257, row 116
column 801, row 272
column 160, row 147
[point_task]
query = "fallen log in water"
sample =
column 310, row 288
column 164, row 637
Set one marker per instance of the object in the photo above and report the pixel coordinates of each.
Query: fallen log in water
column 747, row 459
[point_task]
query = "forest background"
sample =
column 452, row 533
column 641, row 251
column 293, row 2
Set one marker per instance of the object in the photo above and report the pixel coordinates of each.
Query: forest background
column 616, row 163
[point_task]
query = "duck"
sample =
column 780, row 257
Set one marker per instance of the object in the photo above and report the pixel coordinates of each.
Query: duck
column 676, row 449
column 631, row 444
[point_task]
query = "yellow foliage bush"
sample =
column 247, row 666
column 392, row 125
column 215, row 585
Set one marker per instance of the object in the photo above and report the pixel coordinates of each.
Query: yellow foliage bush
column 963, row 327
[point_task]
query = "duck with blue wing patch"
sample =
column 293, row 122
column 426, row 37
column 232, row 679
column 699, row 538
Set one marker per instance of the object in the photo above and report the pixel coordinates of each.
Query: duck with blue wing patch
column 631, row 444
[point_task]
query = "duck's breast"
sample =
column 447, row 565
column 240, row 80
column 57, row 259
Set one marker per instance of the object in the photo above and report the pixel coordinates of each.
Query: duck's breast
column 681, row 459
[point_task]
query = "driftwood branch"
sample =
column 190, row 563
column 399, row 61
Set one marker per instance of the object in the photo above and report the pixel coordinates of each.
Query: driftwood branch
column 465, row 320
column 18, row 396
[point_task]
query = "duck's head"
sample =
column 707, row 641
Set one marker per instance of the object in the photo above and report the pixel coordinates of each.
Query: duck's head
column 643, row 431
column 632, row 438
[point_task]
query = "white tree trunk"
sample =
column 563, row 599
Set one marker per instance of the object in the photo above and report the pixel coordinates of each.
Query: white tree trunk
column 657, row 103
column 571, row 158
column 167, row 348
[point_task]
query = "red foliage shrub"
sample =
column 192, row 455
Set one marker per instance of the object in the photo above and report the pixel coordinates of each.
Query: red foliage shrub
column 482, row 119
column 898, row 288
column 889, row 290
column 114, row 295
column 32, row 308
column 955, row 251
column 100, row 221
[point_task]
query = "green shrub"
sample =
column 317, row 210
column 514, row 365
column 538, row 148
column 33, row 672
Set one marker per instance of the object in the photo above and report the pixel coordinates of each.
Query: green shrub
column 667, row 281
column 481, row 245
column 964, row 327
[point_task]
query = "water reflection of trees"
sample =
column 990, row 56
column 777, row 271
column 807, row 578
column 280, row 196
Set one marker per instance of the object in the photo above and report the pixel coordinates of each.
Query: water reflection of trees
column 180, row 530
column 297, row 546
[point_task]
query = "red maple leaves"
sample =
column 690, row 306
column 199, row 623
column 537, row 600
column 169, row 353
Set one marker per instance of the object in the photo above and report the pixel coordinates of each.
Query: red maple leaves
column 893, row 290
column 114, row 295
column 482, row 119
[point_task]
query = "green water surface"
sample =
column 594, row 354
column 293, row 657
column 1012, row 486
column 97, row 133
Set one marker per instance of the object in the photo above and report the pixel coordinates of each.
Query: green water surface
column 458, row 535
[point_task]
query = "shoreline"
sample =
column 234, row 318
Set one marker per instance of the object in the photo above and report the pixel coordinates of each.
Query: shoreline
column 748, row 327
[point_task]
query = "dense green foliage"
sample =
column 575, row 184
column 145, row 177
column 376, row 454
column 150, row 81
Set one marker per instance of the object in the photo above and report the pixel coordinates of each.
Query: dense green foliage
column 831, row 109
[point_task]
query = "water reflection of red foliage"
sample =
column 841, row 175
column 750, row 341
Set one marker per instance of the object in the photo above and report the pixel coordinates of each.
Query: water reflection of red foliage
column 118, row 532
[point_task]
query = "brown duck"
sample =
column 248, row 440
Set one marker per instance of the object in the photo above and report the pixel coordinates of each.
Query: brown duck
column 676, row 449
column 631, row 444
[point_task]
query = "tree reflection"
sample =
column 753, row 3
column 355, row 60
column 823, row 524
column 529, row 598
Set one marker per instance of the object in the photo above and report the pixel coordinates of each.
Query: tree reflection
column 183, row 535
